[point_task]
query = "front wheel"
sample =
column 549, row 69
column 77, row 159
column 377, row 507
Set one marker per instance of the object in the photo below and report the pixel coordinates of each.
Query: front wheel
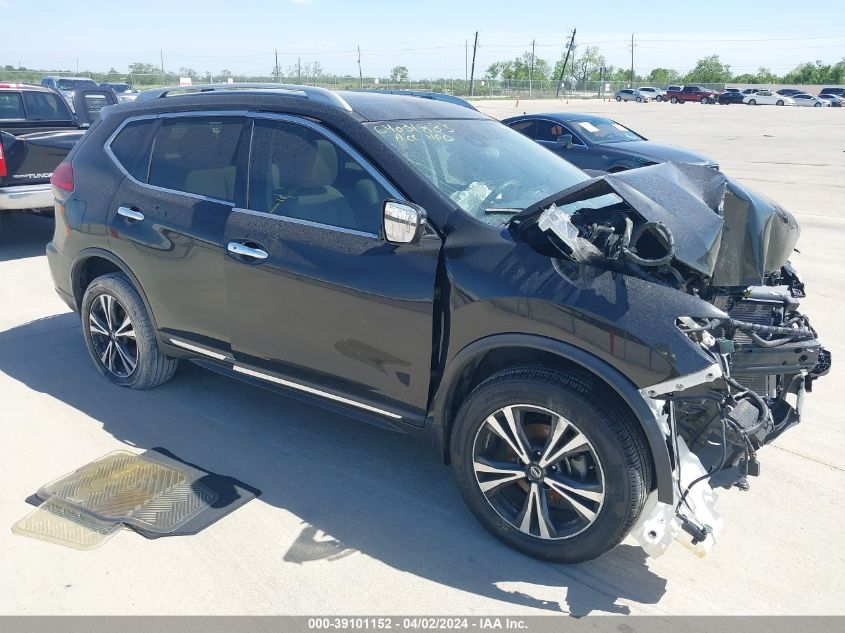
column 120, row 337
column 619, row 98
column 639, row 99
column 674, row 99
column 550, row 463
column 705, row 100
column 752, row 102
column 817, row 105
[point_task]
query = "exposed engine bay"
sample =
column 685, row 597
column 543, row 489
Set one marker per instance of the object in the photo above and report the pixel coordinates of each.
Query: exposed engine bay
column 694, row 229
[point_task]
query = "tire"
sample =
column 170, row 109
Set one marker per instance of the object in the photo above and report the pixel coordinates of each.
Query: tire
column 639, row 99
column 779, row 102
column 658, row 98
column 752, row 102
column 817, row 105
column 704, row 100
column 120, row 336
column 674, row 100
column 609, row 463
column 618, row 98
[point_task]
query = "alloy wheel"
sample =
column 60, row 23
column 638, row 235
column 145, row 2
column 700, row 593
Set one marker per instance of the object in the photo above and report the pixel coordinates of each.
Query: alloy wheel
column 113, row 336
column 538, row 471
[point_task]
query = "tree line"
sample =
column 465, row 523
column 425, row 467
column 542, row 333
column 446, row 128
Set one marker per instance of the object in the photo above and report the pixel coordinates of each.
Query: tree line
column 584, row 67
column 588, row 66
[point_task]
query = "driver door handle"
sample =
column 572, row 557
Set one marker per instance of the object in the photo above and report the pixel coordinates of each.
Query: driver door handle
column 236, row 248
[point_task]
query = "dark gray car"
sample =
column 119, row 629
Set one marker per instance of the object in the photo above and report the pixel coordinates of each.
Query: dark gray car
column 595, row 143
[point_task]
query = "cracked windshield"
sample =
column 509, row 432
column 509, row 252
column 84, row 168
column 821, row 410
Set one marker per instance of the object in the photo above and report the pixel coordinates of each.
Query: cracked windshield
column 488, row 170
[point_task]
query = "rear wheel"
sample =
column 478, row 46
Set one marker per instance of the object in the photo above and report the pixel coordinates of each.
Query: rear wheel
column 639, row 99
column 752, row 102
column 619, row 98
column 817, row 105
column 674, row 99
column 550, row 463
column 705, row 100
column 658, row 98
column 120, row 337
column 779, row 102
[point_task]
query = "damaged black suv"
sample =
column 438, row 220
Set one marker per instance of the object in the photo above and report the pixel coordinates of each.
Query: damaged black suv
column 588, row 354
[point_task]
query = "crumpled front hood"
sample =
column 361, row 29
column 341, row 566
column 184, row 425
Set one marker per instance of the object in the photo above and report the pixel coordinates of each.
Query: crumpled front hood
column 722, row 230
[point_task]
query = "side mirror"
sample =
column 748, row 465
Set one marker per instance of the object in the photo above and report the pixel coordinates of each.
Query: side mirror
column 565, row 140
column 403, row 222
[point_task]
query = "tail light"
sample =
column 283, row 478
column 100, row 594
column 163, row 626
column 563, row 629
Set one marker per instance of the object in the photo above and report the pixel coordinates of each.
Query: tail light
column 3, row 171
column 62, row 178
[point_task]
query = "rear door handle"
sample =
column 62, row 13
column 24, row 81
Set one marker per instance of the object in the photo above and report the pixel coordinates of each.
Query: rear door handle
column 132, row 214
column 236, row 248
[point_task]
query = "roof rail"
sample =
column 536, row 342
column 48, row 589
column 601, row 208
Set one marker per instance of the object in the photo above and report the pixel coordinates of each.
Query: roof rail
column 313, row 93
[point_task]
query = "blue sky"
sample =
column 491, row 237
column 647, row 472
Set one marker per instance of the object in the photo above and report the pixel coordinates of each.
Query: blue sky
column 427, row 36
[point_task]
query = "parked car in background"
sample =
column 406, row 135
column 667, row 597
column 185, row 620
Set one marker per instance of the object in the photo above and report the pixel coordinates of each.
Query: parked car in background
column 656, row 94
column 839, row 92
column 788, row 92
column 631, row 94
column 673, row 88
column 575, row 348
column 809, row 101
column 598, row 144
column 691, row 93
column 37, row 130
column 68, row 85
column 124, row 91
column 750, row 91
column 767, row 97
column 729, row 96
column 834, row 100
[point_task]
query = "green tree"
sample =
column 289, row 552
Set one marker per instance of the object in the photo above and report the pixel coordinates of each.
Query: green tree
column 663, row 76
column 399, row 74
column 709, row 70
column 587, row 66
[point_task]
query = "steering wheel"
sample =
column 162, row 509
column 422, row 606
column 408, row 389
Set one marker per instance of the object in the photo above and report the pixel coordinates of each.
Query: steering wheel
column 495, row 193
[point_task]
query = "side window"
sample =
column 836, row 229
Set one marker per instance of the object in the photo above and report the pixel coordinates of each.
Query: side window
column 296, row 172
column 197, row 155
column 548, row 131
column 525, row 127
column 45, row 106
column 131, row 147
column 11, row 106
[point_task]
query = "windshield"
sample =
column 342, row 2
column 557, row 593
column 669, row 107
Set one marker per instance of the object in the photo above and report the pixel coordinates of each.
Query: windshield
column 72, row 84
column 603, row 131
column 121, row 87
column 487, row 169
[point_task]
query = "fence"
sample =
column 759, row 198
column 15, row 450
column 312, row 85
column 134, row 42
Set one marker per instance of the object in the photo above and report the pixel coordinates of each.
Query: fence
column 481, row 88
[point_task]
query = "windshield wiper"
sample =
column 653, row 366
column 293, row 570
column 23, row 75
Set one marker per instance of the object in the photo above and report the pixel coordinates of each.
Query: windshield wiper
column 501, row 210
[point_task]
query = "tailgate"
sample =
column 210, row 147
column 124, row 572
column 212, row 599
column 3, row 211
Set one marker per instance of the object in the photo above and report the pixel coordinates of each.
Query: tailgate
column 31, row 158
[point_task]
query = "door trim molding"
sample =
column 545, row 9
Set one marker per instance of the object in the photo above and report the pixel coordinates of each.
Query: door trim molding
column 316, row 392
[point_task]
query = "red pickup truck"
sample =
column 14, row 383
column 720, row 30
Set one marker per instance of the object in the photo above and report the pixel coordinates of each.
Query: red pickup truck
column 691, row 93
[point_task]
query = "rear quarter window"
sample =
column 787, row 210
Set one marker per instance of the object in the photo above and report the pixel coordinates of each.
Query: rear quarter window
column 131, row 147
column 11, row 105
column 45, row 106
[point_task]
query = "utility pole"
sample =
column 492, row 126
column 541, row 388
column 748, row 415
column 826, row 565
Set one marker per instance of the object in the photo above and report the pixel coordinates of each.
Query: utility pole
column 531, row 71
column 472, row 72
column 277, row 66
column 299, row 69
column 360, row 74
column 565, row 59
column 466, row 61
column 161, row 56
column 77, row 65
column 632, row 61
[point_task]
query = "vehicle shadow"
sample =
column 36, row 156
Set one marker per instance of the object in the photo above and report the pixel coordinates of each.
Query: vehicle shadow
column 355, row 487
column 23, row 235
